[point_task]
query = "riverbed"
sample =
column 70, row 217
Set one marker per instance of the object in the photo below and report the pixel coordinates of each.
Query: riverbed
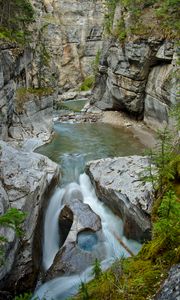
column 72, row 147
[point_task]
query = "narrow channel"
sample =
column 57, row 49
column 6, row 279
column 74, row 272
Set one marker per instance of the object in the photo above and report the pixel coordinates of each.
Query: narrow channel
column 72, row 147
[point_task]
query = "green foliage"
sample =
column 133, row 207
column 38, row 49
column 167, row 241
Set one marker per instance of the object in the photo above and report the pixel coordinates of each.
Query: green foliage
column 111, row 6
column 96, row 62
column 165, row 157
column 15, row 16
column 167, row 13
column 13, row 218
column 175, row 113
column 25, row 296
column 84, row 291
column 87, row 83
column 120, row 31
column 23, row 95
column 168, row 224
column 138, row 278
column 43, row 55
column 96, row 271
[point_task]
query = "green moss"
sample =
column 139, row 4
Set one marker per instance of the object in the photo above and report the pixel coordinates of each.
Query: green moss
column 25, row 296
column 163, row 18
column 15, row 16
column 95, row 63
column 87, row 83
column 23, row 95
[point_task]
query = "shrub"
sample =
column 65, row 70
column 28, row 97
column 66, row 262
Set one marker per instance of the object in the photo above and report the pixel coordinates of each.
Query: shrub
column 87, row 83
column 97, row 271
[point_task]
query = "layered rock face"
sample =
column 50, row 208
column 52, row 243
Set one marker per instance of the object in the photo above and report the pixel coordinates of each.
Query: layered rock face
column 26, row 183
column 137, row 77
column 12, row 66
column 22, row 114
column 73, row 36
column 118, row 183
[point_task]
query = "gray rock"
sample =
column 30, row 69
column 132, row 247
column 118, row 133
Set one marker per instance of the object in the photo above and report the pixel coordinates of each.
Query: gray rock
column 73, row 37
column 71, row 258
column 118, row 183
column 26, row 182
column 166, row 51
column 171, row 287
column 161, row 92
column 138, row 75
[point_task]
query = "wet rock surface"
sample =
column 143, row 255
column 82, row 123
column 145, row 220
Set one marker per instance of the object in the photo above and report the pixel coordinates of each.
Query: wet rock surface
column 71, row 258
column 118, row 183
column 171, row 287
column 27, row 180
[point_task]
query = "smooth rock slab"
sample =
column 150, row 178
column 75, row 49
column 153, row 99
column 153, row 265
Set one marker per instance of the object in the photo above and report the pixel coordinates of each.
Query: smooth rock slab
column 118, row 184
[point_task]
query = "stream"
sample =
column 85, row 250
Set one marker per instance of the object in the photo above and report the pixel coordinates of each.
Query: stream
column 72, row 146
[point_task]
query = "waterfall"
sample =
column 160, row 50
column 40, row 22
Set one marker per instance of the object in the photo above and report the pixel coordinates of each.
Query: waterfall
column 51, row 232
column 65, row 286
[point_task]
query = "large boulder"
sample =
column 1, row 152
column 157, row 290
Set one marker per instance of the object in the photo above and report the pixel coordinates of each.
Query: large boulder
column 85, row 228
column 118, row 183
column 26, row 182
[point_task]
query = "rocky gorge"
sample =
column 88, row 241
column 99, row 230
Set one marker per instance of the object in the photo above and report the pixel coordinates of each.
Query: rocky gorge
column 135, row 76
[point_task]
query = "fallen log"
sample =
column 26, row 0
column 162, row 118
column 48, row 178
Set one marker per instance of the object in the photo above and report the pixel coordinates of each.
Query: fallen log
column 122, row 243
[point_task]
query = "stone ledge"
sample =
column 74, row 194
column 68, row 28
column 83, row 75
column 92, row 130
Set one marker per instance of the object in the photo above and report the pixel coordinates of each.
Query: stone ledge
column 118, row 184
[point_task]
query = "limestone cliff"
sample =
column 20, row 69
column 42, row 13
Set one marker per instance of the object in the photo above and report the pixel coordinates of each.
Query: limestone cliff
column 137, row 70
column 72, row 31
column 64, row 40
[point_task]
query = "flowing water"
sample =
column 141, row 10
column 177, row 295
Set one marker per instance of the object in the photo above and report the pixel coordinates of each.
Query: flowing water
column 73, row 145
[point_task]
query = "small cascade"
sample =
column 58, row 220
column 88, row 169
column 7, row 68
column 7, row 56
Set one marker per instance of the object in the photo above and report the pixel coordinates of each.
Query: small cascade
column 51, row 229
column 65, row 286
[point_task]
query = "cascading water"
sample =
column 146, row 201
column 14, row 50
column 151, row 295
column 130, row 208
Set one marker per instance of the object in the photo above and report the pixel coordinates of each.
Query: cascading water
column 65, row 286
column 72, row 148
column 51, row 232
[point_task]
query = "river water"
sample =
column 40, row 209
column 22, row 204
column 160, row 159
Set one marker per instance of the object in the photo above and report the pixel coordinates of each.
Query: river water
column 72, row 146
column 75, row 144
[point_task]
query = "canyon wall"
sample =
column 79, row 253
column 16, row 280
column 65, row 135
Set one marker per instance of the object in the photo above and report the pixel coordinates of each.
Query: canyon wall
column 137, row 73
column 22, row 114
column 64, row 41
column 72, row 32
